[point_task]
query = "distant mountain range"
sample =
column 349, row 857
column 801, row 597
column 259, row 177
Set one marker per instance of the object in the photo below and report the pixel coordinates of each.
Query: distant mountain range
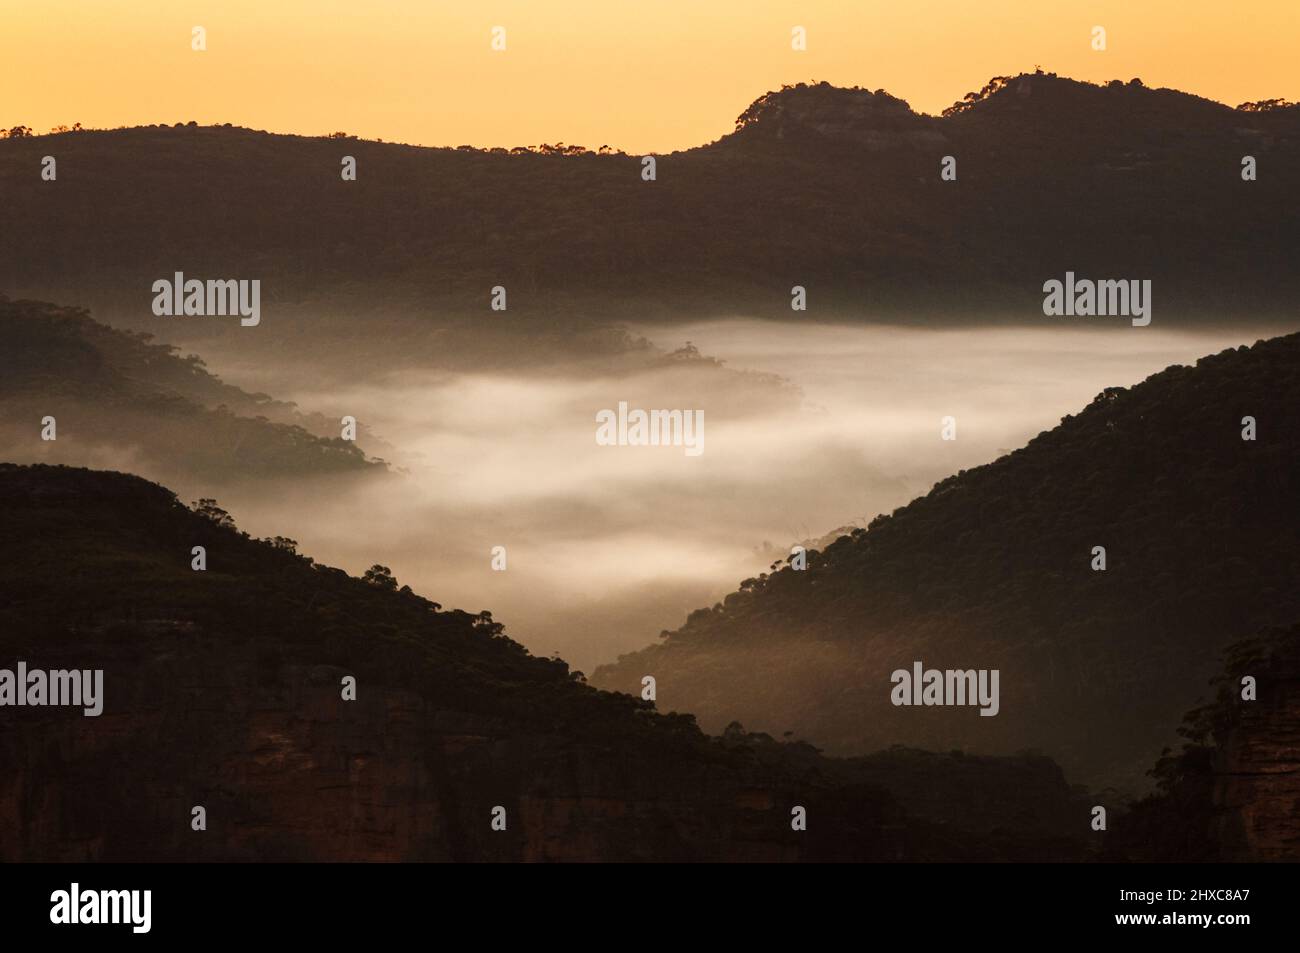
column 837, row 190
column 996, row 569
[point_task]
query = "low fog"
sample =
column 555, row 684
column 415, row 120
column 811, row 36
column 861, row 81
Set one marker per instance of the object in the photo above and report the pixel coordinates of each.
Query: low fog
column 807, row 428
column 606, row 546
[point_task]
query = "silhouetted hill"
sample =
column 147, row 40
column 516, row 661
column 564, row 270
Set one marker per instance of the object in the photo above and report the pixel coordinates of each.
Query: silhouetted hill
column 834, row 189
column 993, row 570
column 117, row 391
column 223, row 688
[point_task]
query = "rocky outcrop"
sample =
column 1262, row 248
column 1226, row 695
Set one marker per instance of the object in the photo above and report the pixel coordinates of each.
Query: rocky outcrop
column 874, row 121
column 1232, row 793
column 287, row 770
column 1257, row 768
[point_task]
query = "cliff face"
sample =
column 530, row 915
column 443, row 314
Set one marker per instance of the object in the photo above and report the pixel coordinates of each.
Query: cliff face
column 1232, row 793
column 287, row 770
column 1257, row 770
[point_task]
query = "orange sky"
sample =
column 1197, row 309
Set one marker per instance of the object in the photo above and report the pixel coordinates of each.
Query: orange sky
column 652, row 76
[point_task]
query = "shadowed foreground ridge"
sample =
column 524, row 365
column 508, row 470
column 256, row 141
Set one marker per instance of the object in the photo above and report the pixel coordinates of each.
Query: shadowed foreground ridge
column 222, row 689
column 992, row 569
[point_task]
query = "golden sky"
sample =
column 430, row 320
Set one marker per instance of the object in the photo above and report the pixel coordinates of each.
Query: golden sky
column 641, row 75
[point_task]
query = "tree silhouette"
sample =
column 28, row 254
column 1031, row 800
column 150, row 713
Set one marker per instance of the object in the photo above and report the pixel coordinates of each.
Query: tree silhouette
column 208, row 509
column 380, row 576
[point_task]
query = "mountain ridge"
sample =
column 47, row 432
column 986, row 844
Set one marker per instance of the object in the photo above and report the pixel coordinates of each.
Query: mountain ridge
column 115, row 391
column 759, row 109
column 1119, row 182
column 993, row 569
